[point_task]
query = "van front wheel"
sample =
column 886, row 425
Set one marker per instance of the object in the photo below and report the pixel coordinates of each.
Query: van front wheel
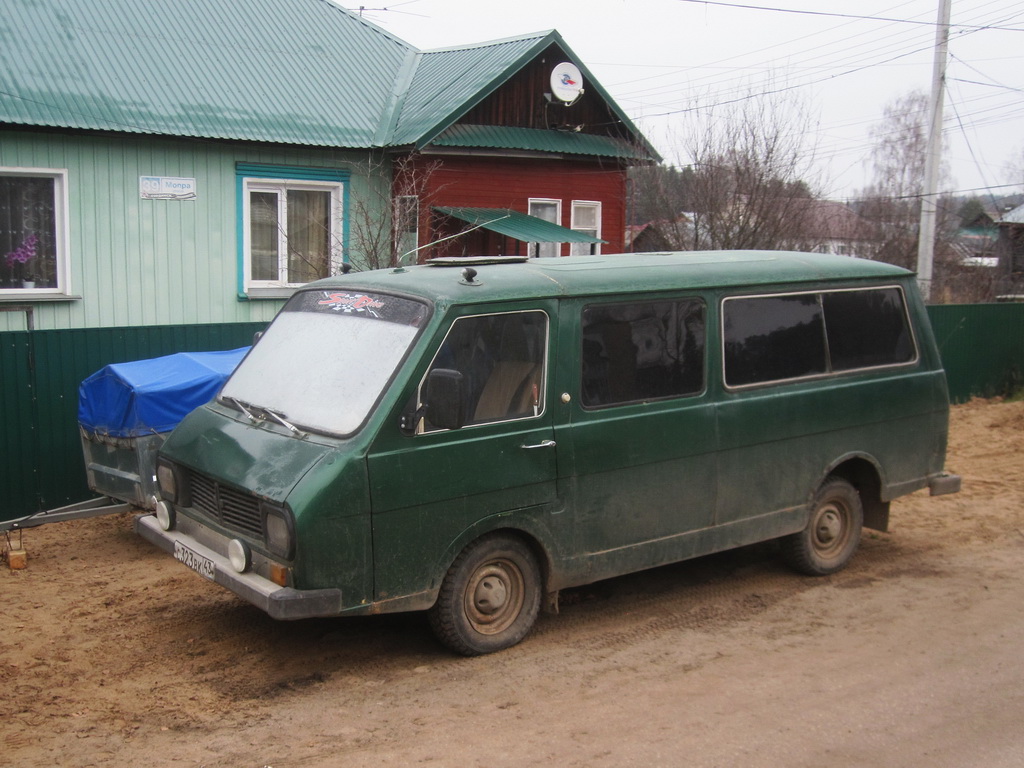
column 490, row 597
column 832, row 533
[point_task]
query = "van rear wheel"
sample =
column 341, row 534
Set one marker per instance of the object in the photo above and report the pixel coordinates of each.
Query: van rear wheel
column 490, row 597
column 832, row 533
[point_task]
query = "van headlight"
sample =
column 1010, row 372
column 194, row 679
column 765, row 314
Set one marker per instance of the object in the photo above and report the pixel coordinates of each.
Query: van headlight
column 279, row 530
column 171, row 481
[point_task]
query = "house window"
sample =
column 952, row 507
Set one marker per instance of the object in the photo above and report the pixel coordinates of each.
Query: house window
column 32, row 230
column 548, row 210
column 407, row 225
column 292, row 227
column 586, row 218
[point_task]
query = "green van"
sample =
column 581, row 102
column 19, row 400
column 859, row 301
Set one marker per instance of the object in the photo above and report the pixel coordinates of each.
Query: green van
column 471, row 436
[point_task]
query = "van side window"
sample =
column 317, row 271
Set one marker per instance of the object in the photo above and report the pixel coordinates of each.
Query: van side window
column 770, row 338
column 642, row 351
column 502, row 361
column 776, row 338
column 867, row 329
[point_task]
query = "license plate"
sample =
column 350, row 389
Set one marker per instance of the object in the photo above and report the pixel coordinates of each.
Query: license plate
column 201, row 565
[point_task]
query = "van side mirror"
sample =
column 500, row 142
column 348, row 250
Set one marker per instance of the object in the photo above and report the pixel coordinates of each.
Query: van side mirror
column 444, row 398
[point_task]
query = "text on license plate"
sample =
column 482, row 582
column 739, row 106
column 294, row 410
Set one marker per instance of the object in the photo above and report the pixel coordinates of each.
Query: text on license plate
column 201, row 565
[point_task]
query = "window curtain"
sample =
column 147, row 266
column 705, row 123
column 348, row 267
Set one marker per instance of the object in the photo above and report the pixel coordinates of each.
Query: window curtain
column 309, row 235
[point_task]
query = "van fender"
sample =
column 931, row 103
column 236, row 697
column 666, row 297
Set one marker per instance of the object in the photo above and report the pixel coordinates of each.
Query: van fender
column 865, row 473
column 520, row 522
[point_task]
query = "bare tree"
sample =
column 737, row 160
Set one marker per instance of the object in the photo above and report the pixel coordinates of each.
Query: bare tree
column 385, row 220
column 752, row 162
column 659, row 198
column 891, row 205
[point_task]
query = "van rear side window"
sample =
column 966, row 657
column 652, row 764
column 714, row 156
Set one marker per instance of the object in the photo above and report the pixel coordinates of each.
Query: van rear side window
column 642, row 351
column 792, row 336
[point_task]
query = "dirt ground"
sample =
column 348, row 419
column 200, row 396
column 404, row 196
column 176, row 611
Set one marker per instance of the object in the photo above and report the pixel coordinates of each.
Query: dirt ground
column 113, row 654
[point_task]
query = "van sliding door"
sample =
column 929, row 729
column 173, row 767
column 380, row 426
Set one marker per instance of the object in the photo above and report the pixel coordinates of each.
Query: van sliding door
column 639, row 443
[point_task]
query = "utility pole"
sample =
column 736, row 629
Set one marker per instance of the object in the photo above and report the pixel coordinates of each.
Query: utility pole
column 926, row 231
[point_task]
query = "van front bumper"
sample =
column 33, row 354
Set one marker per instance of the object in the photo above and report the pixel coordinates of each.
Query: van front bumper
column 278, row 602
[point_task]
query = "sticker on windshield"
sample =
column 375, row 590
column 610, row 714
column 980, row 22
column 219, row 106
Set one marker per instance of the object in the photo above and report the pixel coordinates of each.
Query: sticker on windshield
column 355, row 304
column 352, row 302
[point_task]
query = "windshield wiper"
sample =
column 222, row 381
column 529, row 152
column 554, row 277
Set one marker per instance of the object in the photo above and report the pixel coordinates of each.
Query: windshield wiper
column 241, row 406
column 280, row 419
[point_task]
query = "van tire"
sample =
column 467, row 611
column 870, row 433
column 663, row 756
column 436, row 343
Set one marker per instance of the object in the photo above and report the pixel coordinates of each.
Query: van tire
column 832, row 533
column 490, row 597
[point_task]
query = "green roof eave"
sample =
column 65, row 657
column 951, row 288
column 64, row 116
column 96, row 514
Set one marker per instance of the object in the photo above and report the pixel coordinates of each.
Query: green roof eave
column 540, row 42
column 538, row 140
column 518, row 226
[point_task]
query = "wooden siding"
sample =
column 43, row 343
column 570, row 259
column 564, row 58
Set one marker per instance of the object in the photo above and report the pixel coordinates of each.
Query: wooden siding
column 138, row 262
column 497, row 182
column 520, row 103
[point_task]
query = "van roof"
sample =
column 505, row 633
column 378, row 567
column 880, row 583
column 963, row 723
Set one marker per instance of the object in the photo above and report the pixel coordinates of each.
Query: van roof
column 610, row 274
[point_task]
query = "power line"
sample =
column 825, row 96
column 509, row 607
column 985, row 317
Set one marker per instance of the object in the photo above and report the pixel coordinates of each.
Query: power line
column 842, row 15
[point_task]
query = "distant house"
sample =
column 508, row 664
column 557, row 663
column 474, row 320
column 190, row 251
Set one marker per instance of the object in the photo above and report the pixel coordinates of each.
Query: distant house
column 659, row 235
column 832, row 227
column 195, row 162
column 1010, row 250
column 976, row 240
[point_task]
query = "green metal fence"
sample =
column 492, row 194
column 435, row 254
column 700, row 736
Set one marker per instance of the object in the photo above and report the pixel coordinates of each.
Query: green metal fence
column 41, row 463
column 982, row 348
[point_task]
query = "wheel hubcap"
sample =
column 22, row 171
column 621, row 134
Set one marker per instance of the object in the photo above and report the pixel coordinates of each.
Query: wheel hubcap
column 831, row 529
column 495, row 596
column 491, row 595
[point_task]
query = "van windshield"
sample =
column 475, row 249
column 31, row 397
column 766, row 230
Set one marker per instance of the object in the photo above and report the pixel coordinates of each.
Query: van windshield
column 326, row 359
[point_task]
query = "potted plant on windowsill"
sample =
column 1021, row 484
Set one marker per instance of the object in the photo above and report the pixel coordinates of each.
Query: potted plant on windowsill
column 21, row 256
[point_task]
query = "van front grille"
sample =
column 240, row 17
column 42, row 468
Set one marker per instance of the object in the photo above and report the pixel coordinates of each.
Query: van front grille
column 233, row 509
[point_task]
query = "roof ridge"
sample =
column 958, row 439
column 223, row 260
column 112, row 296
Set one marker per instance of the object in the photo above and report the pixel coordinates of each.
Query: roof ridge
column 400, row 88
column 491, row 43
column 367, row 23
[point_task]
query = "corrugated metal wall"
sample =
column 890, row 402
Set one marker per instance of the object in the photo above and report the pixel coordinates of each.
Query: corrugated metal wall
column 982, row 348
column 41, row 464
column 137, row 261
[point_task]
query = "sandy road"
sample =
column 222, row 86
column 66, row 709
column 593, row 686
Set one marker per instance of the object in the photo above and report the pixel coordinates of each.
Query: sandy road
column 113, row 654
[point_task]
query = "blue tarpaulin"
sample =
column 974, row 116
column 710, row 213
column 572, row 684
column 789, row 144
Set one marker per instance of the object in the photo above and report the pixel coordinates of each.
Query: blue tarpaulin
column 147, row 396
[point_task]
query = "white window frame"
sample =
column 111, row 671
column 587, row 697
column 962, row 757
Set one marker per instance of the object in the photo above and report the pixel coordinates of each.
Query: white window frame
column 61, row 239
column 545, row 250
column 583, row 249
column 281, row 187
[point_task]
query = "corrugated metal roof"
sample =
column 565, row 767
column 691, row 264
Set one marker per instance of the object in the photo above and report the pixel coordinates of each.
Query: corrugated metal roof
column 519, row 226
column 564, row 142
column 284, row 71
column 292, row 71
column 1016, row 216
column 448, row 81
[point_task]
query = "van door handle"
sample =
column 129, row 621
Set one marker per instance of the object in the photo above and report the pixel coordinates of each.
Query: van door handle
column 541, row 444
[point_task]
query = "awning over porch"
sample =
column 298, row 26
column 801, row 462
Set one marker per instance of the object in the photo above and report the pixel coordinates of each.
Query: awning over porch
column 518, row 226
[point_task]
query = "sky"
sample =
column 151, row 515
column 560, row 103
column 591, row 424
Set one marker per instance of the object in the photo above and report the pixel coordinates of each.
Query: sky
column 666, row 62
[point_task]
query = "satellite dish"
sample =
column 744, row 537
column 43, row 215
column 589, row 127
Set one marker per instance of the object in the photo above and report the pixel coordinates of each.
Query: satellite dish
column 566, row 82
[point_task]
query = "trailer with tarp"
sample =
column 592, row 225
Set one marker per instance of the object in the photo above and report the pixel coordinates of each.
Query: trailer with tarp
column 125, row 411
